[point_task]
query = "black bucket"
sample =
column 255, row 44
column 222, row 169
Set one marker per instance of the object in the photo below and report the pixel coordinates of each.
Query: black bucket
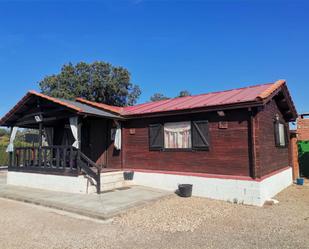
column 128, row 175
column 185, row 190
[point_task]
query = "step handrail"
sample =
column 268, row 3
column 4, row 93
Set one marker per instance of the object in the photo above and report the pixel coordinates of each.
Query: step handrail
column 84, row 165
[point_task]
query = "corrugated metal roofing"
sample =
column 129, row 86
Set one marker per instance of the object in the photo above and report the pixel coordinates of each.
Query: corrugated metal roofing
column 251, row 94
column 229, row 97
column 241, row 95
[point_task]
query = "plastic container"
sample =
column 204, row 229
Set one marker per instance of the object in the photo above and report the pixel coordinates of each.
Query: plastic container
column 300, row 181
column 128, row 175
column 185, row 190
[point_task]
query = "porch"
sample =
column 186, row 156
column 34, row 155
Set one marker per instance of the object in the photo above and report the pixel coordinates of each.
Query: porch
column 74, row 139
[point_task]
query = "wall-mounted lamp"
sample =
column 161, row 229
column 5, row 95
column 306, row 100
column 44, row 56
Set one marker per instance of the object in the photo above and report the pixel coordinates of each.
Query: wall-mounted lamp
column 38, row 118
column 221, row 113
column 277, row 117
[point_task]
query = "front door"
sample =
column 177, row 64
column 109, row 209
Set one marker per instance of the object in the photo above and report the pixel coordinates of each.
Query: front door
column 94, row 140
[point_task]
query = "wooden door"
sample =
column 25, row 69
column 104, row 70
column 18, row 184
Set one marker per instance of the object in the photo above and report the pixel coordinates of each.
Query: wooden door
column 94, row 140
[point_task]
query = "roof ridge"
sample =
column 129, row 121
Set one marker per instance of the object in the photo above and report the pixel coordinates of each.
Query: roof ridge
column 271, row 89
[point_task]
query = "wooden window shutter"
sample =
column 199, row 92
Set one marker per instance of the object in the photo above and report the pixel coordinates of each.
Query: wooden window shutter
column 200, row 135
column 156, row 137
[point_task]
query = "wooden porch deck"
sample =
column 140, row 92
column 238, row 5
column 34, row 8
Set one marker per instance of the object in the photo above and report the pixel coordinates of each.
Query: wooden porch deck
column 59, row 160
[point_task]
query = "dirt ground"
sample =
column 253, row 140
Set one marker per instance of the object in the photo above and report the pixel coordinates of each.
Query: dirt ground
column 169, row 223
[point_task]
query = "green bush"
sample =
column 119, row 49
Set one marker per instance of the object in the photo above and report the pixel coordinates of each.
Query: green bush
column 4, row 157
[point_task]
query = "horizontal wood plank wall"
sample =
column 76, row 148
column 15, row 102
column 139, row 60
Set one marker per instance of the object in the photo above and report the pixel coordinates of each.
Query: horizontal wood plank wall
column 228, row 154
column 269, row 158
column 113, row 155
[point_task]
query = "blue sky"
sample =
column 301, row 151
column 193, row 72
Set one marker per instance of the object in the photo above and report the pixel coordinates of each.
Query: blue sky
column 168, row 46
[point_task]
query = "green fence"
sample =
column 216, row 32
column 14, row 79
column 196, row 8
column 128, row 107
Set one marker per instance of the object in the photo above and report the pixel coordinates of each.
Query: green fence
column 4, row 157
column 303, row 157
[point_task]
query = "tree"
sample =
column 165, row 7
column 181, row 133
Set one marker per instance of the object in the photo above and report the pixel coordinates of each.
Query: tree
column 157, row 97
column 98, row 81
column 184, row 93
column 4, row 132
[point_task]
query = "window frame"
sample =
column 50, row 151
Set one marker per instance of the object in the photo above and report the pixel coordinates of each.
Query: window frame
column 277, row 125
column 178, row 149
column 192, row 149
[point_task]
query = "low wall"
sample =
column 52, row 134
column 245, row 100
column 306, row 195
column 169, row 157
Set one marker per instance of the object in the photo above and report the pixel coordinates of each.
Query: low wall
column 237, row 190
column 246, row 191
column 71, row 184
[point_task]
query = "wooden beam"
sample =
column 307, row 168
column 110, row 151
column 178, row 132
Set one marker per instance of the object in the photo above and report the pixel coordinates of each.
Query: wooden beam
column 252, row 156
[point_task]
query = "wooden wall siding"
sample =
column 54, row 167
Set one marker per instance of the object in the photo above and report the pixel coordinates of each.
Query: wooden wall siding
column 113, row 155
column 228, row 153
column 269, row 158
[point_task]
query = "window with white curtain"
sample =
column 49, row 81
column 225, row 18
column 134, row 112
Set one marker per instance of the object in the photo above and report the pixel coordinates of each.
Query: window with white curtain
column 177, row 135
column 281, row 134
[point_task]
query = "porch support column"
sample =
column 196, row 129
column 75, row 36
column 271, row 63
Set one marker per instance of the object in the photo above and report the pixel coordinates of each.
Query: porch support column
column 40, row 144
column 40, row 134
column 252, row 143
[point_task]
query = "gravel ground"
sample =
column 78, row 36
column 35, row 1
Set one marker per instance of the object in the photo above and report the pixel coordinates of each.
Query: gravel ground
column 169, row 223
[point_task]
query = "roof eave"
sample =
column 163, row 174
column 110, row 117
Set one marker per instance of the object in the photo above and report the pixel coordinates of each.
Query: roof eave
column 241, row 105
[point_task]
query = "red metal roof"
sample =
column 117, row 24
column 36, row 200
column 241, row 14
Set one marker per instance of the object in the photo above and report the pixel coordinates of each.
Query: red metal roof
column 229, row 97
column 247, row 95
column 234, row 96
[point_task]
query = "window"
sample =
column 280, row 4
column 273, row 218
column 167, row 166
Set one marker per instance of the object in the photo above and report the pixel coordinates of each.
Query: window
column 177, row 135
column 186, row 135
column 280, row 134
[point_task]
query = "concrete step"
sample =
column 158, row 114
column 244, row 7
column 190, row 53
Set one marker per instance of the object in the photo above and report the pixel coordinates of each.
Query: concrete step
column 110, row 181
column 113, row 180
column 111, row 177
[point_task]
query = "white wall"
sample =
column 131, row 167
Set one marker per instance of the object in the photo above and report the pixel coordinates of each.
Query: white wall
column 241, row 191
column 69, row 184
column 238, row 191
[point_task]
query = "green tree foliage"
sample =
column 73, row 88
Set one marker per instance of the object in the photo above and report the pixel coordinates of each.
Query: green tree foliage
column 157, row 97
column 4, row 132
column 98, row 81
column 160, row 96
column 184, row 93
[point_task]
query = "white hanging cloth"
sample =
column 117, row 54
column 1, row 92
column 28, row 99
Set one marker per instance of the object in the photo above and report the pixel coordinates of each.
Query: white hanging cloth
column 10, row 147
column 117, row 141
column 74, row 129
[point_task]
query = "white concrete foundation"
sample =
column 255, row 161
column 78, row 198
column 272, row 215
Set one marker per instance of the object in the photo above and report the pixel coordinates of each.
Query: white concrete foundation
column 249, row 192
column 69, row 184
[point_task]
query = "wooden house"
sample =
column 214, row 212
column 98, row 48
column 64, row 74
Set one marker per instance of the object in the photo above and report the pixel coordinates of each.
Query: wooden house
column 231, row 145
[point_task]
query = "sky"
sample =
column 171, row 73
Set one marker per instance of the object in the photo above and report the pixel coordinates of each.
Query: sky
column 168, row 46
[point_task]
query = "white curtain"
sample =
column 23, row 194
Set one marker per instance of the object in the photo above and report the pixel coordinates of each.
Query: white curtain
column 49, row 135
column 117, row 141
column 177, row 135
column 10, row 147
column 74, row 129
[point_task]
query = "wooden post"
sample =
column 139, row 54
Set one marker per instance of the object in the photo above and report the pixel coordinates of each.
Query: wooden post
column 40, row 144
column 251, row 127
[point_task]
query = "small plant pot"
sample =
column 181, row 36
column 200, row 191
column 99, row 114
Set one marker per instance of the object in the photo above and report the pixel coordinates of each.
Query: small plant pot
column 185, row 190
column 300, row 181
column 128, row 175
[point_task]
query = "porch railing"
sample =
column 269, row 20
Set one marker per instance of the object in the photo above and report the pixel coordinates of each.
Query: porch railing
column 63, row 160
